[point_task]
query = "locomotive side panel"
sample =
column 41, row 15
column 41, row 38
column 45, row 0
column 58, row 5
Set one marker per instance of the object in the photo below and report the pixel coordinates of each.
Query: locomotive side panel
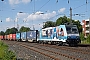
column 52, row 35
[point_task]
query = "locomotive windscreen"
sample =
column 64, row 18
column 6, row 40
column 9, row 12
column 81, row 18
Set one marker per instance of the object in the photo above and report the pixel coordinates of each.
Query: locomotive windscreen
column 71, row 29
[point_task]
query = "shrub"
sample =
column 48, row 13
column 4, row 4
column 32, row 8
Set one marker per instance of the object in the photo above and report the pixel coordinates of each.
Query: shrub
column 5, row 54
column 88, row 38
column 82, row 37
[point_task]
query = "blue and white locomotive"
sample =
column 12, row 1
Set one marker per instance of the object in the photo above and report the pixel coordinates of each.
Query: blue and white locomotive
column 59, row 35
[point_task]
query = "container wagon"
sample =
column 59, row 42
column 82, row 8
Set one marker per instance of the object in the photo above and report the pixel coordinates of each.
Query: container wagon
column 23, row 36
column 5, row 37
column 1, row 37
column 11, row 37
column 32, row 36
column 14, row 37
column 8, row 37
column 18, row 36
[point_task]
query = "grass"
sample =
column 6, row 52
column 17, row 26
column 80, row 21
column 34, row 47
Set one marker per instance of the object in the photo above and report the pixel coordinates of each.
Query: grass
column 85, row 42
column 5, row 54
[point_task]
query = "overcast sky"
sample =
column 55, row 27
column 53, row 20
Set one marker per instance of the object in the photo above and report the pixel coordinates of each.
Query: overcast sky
column 30, row 13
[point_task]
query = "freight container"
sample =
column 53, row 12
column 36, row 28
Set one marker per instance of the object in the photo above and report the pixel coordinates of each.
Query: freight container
column 11, row 36
column 32, row 35
column 14, row 36
column 23, row 36
column 8, row 37
column 5, row 37
column 18, row 36
column 0, row 37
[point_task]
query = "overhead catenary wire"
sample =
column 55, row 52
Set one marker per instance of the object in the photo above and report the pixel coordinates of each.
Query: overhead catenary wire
column 75, row 7
column 43, row 5
column 39, row 8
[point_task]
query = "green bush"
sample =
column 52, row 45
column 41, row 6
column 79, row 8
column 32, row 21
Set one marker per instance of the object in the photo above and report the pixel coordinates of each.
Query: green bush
column 82, row 37
column 5, row 54
column 88, row 38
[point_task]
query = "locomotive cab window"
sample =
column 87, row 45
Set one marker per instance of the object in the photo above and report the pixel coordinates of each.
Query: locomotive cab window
column 74, row 30
column 71, row 29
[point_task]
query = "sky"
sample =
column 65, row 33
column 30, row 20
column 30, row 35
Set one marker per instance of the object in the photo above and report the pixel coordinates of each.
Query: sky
column 33, row 13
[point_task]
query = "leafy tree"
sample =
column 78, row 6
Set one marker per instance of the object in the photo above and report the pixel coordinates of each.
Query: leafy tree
column 2, row 33
column 11, row 31
column 24, row 29
column 49, row 24
column 7, row 32
column 78, row 25
column 62, row 20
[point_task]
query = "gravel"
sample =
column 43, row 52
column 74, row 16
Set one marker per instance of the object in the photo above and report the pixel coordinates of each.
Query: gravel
column 24, row 53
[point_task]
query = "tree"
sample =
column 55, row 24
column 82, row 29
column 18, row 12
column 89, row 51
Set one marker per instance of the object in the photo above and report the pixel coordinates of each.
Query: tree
column 62, row 20
column 49, row 24
column 79, row 26
column 24, row 29
column 11, row 31
column 7, row 31
column 2, row 33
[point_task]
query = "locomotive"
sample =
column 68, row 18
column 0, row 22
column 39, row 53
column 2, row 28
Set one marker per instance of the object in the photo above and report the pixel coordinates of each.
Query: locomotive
column 59, row 35
column 63, row 34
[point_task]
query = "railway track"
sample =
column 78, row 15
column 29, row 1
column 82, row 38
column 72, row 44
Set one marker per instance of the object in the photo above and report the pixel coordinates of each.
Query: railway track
column 73, row 49
column 52, row 54
column 57, row 52
column 79, row 52
column 71, row 52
